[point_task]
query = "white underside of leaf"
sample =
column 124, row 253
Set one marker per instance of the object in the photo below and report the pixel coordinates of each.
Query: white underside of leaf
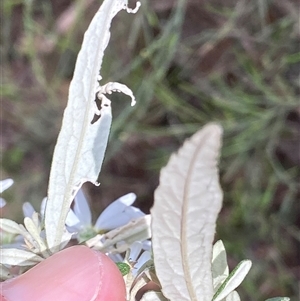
column 35, row 233
column 18, row 257
column 81, row 145
column 135, row 230
column 184, row 215
column 153, row 296
column 10, row 226
column 233, row 296
column 220, row 270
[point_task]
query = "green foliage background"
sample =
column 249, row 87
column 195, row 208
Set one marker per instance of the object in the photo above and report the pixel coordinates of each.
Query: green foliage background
column 188, row 63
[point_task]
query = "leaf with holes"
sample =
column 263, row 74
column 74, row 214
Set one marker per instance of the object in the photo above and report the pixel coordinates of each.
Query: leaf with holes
column 81, row 143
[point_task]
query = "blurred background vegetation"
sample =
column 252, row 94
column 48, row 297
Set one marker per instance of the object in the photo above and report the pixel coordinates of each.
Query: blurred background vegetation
column 188, row 63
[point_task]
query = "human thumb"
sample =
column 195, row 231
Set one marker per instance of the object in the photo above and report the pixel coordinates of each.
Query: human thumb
column 74, row 274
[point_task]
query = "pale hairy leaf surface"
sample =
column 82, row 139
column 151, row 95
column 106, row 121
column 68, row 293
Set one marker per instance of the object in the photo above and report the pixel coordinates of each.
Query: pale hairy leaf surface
column 234, row 279
column 153, row 296
column 220, row 270
column 81, row 145
column 30, row 242
column 34, row 231
column 135, row 230
column 233, row 296
column 10, row 226
column 184, row 215
column 130, row 292
column 18, row 257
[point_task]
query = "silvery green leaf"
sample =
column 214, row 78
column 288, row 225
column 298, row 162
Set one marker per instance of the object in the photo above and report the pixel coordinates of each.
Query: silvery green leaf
column 81, row 144
column 154, row 296
column 186, row 206
column 10, row 226
column 233, row 296
column 234, row 279
column 29, row 241
column 138, row 229
column 220, row 269
column 36, row 221
column 279, row 299
column 34, row 231
column 18, row 257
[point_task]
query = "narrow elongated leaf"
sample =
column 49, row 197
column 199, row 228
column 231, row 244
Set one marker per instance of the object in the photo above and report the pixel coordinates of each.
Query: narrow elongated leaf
column 35, row 233
column 220, row 270
column 18, row 257
column 135, row 230
column 184, row 214
column 233, row 296
column 153, row 296
column 10, row 226
column 234, row 279
column 81, row 144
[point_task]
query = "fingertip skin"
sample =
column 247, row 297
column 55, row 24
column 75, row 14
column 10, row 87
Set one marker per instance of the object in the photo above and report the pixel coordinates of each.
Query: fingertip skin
column 2, row 298
column 76, row 273
column 113, row 283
